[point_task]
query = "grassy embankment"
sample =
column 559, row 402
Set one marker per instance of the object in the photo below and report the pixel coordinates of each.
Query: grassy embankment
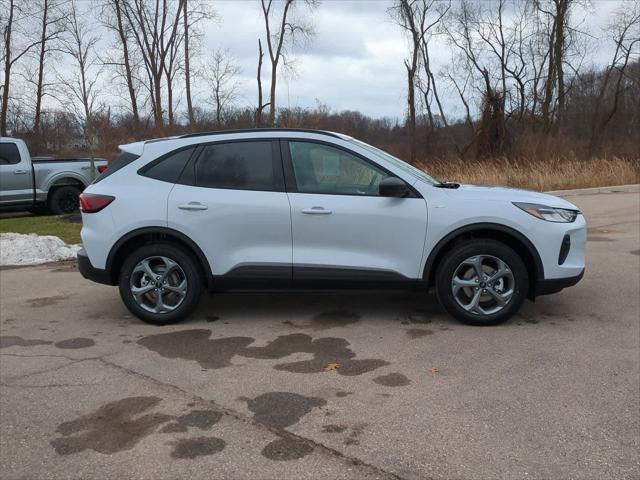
column 67, row 230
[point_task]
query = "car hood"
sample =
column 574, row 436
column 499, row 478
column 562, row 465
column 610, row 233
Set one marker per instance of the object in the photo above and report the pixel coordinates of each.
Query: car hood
column 491, row 193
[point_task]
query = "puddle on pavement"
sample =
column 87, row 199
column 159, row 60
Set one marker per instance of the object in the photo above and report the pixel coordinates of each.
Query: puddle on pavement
column 114, row 427
column 202, row 419
column 15, row 341
column 282, row 409
column 46, row 301
column 217, row 353
column 75, row 343
column 285, row 449
column 332, row 428
column 419, row 332
column 188, row 448
column 392, row 380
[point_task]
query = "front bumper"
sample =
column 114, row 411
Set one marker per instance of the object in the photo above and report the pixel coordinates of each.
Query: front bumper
column 89, row 272
column 554, row 285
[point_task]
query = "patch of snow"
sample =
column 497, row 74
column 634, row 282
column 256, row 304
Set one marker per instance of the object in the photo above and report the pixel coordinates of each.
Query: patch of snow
column 32, row 249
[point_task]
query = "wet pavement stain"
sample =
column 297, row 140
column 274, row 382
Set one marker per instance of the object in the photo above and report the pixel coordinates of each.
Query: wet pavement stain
column 282, row 409
column 197, row 346
column 331, row 428
column 332, row 319
column 356, row 431
column 392, row 380
column 114, row 427
column 419, row 332
column 46, row 301
column 15, row 341
column 211, row 318
column 202, row 419
column 635, row 252
column 343, row 394
column 189, row 448
column 75, row 343
column 284, row 450
column 217, row 353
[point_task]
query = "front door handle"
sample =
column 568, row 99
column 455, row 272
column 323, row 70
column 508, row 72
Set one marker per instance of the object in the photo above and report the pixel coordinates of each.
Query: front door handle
column 192, row 206
column 19, row 172
column 316, row 211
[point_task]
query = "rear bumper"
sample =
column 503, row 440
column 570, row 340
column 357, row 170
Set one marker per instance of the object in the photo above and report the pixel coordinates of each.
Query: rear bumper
column 554, row 285
column 89, row 272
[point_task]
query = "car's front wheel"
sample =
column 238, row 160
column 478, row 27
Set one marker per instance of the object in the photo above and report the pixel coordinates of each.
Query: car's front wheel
column 482, row 282
column 160, row 284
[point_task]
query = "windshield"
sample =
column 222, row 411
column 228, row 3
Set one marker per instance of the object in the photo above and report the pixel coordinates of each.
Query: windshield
column 410, row 169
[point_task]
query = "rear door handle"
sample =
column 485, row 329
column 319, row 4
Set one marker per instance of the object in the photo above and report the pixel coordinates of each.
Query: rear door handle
column 316, row 211
column 193, row 206
column 19, row 172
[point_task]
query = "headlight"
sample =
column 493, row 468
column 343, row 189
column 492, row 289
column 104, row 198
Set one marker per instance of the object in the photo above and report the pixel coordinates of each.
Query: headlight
column 550, row 214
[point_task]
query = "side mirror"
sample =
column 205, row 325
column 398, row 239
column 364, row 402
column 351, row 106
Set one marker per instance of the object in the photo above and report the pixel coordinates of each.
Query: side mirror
column 393, row 187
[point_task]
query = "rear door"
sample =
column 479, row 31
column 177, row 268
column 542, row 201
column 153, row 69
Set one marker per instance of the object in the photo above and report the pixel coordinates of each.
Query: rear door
column 231, row 201
column 342, row 228
column 16, row 179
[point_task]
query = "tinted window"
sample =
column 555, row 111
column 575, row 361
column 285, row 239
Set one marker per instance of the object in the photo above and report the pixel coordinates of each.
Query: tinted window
column 9, row 154
column 323, row 169
column 124, row 159
column 238, row 165
column 169, row 168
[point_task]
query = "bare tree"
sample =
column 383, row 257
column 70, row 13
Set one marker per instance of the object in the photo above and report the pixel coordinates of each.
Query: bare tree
column 155, row 29
column 626, row 36
column 261, row 106
column 18, row 40
column 222, row 80
column 81, row 86
column 51, row 26
column 287, row 32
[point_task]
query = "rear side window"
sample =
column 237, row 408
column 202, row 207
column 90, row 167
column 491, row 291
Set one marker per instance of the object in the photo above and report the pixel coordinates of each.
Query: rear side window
column 124, row 159
column 9, row 154
column 238, row 165
column 169, row 167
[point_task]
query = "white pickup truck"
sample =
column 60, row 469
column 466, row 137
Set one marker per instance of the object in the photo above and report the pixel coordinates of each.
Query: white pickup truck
column 46, row 182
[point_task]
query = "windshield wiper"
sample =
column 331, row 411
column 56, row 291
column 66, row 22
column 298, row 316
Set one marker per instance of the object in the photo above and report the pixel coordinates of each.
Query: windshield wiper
column 452, row 185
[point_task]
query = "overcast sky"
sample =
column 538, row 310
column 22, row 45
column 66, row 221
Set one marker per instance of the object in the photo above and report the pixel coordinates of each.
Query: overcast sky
column 355, row 61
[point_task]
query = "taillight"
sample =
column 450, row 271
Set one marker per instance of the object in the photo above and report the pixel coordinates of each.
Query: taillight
column 92, row 203
column 102, row 168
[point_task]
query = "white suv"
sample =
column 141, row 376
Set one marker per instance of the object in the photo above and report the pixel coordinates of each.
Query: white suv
column 284, row 208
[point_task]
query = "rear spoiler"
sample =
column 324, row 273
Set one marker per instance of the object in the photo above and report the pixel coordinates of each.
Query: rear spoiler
column 132, row 148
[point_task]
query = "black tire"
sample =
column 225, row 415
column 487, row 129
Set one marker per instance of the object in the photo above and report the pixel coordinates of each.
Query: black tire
column 64, row 200
column 456, row 257
column 189, row 267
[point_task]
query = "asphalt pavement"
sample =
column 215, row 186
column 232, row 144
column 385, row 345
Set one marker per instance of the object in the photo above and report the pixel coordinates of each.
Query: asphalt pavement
column 327, row 385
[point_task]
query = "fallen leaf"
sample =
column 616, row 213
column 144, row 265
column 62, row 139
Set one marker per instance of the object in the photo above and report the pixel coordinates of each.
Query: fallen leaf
column 433, row 370
column 331, row 366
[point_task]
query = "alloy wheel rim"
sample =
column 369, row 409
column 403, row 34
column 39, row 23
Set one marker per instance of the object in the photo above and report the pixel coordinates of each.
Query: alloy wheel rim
column 483, row 285
column 158, row 284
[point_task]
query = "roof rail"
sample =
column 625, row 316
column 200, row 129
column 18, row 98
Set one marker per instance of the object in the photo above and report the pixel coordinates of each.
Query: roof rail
column 251, row 130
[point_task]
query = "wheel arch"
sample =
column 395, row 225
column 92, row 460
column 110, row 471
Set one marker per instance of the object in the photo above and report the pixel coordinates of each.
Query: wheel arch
column 65, row 179
column 507, row 235
column 146, row 235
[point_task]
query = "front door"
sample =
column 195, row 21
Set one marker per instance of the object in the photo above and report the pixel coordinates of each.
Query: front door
column 342, row 228
column 16, row 180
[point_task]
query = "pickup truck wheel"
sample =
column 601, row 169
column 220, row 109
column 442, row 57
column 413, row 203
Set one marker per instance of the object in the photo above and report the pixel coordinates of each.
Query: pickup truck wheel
column 482, row 282
column 64, row 200
column 160, row 284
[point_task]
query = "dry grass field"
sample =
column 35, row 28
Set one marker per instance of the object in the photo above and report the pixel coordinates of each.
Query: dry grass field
column 541, row 175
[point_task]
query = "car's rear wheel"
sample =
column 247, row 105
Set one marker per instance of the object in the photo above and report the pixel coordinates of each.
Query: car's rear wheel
column 161, row 283
column 482, row 282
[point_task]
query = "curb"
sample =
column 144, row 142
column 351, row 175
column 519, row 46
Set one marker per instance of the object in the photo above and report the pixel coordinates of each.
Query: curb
column 594, row 190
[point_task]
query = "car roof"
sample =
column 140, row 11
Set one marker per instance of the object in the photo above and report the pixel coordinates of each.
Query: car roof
column 138, row 147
